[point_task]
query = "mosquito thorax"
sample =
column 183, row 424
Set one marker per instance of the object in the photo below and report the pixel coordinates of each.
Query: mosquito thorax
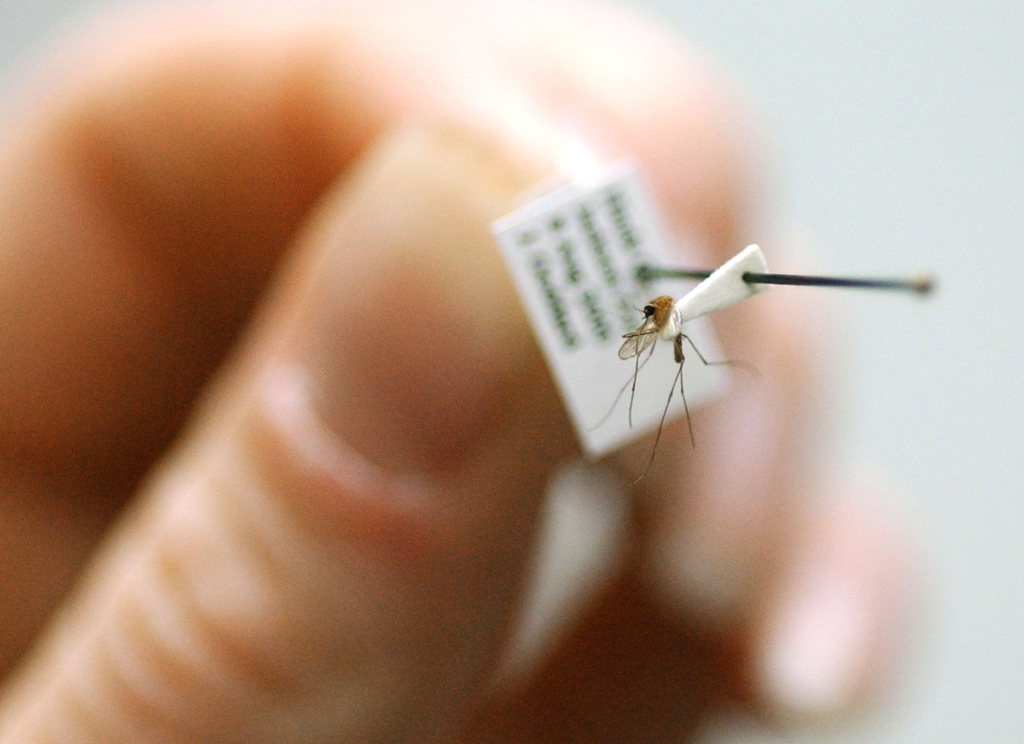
column 672, row 326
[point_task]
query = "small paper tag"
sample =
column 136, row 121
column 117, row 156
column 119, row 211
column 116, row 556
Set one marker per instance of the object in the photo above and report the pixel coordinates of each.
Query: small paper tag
column 573, row 254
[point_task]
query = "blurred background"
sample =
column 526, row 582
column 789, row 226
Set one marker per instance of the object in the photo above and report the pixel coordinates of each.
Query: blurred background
column 899, row 145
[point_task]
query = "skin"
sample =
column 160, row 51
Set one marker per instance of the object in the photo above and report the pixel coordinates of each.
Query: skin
column 275, row 433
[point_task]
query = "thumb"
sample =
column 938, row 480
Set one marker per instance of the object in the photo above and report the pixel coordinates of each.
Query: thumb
column 334, row 550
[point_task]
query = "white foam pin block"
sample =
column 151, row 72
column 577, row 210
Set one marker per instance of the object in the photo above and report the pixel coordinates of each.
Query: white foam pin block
column 724, row 287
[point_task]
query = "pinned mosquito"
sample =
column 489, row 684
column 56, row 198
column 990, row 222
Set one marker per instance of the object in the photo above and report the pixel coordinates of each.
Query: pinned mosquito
column 662, row 320
column 742, row 276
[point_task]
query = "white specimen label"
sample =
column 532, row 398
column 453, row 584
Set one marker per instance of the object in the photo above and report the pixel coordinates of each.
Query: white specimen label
column 573, row 253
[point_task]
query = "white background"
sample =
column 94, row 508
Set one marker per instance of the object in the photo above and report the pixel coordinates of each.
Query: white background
column 900, row 146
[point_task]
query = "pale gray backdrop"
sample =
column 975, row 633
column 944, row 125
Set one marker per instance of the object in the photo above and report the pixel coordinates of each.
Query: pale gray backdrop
column 900, row 146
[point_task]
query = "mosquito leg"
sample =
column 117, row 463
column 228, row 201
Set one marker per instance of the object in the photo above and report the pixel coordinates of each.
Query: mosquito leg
column 632, row 390
column 680, row 357
column 631, row 380
column 682, row 392
column 747, row 366
column 636, row 374
column 661, row 425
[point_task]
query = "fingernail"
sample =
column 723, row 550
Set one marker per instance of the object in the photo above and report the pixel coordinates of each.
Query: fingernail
column 412, row 335
column 815, row 656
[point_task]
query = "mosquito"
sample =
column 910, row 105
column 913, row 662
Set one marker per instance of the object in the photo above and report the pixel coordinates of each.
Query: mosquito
column 662, row 321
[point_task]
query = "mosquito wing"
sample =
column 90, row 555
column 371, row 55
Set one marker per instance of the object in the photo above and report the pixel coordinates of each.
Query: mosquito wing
column 638, row 341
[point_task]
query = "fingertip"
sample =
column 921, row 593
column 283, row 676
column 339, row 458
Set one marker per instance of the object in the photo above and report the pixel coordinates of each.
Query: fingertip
column 836, row 629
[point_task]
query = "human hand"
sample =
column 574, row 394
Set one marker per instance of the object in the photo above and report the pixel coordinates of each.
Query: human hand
column 336, row 545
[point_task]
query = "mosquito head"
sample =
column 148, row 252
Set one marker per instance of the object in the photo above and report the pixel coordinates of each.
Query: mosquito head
column 658, row 310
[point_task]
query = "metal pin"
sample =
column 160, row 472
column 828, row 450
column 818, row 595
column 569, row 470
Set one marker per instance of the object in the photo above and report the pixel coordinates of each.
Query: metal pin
column 920, row 285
